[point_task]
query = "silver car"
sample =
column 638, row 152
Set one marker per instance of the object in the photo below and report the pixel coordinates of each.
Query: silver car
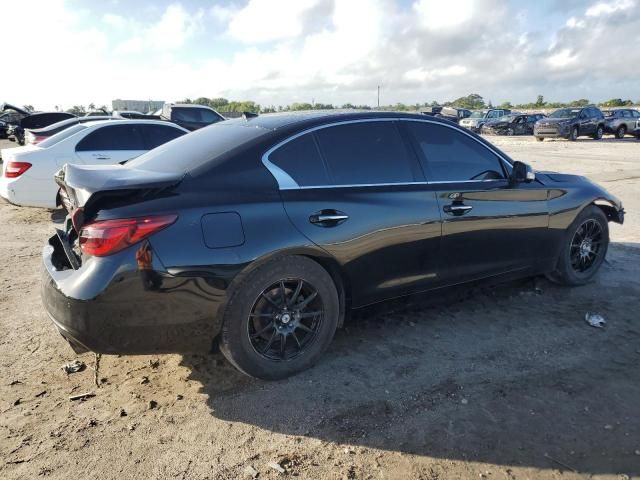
column 480, row 117
column 621, row 121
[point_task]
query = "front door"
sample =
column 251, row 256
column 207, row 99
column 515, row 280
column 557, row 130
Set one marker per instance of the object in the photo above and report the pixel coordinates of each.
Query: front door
column 489, row 226
column 361, row 197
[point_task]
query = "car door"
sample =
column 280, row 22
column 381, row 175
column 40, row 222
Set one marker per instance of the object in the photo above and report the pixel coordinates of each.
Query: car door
column 357, row 191
column 520, row 125
column 111, row 144
column 490, row 226
column 587, row 122
column 155, row 135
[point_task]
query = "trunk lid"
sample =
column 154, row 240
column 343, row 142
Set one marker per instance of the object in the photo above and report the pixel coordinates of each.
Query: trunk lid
column 88, row 187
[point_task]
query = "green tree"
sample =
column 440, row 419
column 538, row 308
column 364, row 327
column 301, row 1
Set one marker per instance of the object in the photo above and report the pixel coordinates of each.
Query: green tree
column 540, row 101
column 77, row 110
column 506, row 105
column 579, row 103
column 616, row 102
column 29, row 108
column 300, row 106
column 472, row 101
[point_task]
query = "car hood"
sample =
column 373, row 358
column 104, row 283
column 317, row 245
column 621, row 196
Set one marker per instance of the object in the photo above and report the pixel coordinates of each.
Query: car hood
column 8, row 106
column 550, row 178
column 497, row 124
column 555, row 121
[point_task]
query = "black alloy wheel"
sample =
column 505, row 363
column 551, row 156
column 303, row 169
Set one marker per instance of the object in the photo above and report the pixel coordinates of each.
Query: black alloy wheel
column 285, row 319
column 280, row 318
column 586, row 245
column 621, row 132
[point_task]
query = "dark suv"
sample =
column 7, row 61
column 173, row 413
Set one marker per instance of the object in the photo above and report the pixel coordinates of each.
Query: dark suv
column 571, row 123
column 189, row 116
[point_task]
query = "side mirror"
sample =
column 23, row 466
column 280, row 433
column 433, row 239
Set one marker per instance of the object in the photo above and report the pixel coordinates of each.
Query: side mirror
column 522, row 173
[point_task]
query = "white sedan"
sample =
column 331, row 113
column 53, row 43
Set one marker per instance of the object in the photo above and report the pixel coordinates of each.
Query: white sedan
column 27, row 172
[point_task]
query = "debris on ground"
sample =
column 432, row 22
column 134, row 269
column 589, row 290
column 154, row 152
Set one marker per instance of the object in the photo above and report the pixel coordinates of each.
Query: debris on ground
column 123, row 412
column 41, row 394
column 144, row 380
column 82, row 396
column 17, row 402
column 250, row 471
column 74, row 367
column 154, row 363
column 595, row 320
column 96, row 369
column 153, row 404
column 277, row 467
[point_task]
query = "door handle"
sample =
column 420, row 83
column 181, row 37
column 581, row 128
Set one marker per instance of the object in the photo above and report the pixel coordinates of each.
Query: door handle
column 328, row 218
column 457, row 209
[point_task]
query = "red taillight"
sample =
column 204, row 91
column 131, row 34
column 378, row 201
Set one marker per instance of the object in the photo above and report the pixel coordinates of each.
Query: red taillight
column 15, row 169
column 110, row 236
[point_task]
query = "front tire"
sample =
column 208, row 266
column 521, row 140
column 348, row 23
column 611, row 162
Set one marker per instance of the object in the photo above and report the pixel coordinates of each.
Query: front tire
column 584, row 248
column 280, row 318
column 599, row 132
column 573, row 136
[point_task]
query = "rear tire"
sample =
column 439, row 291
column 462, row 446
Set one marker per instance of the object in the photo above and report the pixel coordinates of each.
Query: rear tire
column 621, row 132
column 263, row 334
column 584, row 248
column 573, row 136
column 540, row 139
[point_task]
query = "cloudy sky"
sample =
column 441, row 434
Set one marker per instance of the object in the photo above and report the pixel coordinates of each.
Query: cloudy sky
column 66, row 52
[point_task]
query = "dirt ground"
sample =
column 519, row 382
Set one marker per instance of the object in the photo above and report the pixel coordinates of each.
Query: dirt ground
column 507, row 382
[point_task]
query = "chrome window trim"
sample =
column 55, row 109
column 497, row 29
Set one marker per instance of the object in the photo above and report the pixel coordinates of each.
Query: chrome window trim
column 286, row 182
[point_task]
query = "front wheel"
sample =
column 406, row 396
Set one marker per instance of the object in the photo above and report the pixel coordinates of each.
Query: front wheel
column 510, row 131
column 280, row 319
column 585, row 245
column 599, row 132
column 573, row 136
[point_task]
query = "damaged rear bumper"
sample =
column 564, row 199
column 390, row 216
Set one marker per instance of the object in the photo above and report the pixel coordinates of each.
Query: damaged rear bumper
column 109, row 306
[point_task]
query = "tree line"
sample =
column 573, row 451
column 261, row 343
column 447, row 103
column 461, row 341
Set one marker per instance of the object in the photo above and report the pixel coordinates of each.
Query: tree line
column 472, row 101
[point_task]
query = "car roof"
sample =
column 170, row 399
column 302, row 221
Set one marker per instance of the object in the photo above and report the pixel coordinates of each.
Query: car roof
column 274, row 121
column 99, row 123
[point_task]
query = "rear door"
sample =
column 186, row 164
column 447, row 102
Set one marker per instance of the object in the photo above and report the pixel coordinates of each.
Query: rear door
column 111, row 144
column 356, row 189
column 489, row 225
column 156, row 135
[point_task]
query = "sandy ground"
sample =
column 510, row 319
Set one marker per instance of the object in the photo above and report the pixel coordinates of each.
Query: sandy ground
column 507, row 382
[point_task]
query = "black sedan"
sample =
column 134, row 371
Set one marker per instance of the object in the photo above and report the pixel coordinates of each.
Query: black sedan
column 260, row 233
column 514, row 124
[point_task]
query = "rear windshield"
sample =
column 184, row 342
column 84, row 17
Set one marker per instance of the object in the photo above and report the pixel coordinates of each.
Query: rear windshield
column 195, row 149
column 58, row 137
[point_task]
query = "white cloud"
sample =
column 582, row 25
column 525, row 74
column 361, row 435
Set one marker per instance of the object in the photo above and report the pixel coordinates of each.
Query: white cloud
column 267, row 20
column 335, row 51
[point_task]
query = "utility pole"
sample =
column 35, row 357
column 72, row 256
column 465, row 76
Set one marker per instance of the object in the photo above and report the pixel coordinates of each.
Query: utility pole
column 378, row 96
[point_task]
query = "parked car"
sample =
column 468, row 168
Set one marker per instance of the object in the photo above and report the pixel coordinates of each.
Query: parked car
column 478, row 118
column 571, row 123
column 190, row 116
column 512, row 124
column 621, row 121
column 28, row 172
column 9, row 116
column 453, row 114
column 260, row 233
column 37, row 135
column 34, row 121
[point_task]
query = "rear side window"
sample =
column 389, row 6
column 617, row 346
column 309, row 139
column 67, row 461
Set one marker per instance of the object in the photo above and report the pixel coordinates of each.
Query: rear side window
column 365, row 153
column 209, row 116
column 301, row 160
column 156, row 135
column 452, row 156
column 113, row 137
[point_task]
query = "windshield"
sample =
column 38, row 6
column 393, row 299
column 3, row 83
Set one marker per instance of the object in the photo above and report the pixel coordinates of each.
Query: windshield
column 609, row 113
column 191, row 151
column 477, row 115
column 58, row 137
column 565, row 113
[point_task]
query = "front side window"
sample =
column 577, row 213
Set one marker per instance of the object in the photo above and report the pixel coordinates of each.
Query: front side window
column 450, row 155
column 209, row 116
column 112, row 137
column 365, row 153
